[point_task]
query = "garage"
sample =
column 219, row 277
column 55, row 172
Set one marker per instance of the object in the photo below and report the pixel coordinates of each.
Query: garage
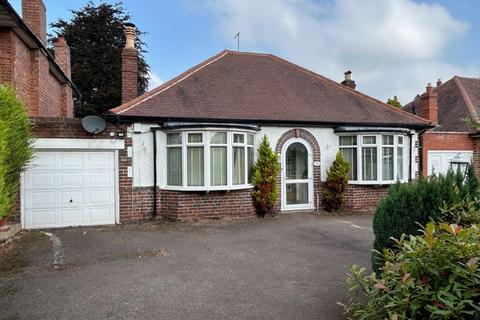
column 65, row 188
column 438, row 162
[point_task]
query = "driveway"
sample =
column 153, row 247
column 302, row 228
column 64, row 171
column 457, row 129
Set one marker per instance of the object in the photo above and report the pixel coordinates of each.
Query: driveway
column 289, row 267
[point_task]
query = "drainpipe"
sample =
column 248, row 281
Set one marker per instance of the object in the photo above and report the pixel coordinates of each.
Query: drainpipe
column 412, row 148
column 154, row 212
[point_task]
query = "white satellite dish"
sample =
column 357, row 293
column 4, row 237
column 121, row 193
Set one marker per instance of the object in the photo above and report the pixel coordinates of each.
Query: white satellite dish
column 93, row 124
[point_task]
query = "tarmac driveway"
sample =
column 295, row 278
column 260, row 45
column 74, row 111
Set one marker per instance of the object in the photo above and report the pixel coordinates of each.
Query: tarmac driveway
column 289, row 267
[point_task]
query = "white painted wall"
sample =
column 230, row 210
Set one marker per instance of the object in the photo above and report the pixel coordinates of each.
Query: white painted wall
column 142, row 141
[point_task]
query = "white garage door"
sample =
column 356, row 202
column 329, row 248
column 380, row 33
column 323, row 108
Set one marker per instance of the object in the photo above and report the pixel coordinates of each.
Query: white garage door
column 438, row 162
column 71, row 188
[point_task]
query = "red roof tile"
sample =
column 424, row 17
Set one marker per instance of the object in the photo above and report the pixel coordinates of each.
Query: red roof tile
column 240, row 86
column 458, row 99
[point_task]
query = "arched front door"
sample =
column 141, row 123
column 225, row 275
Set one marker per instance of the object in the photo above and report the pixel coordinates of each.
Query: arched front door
column 297, row 177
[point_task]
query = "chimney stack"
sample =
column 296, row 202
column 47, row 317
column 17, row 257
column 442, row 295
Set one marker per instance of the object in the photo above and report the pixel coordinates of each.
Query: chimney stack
column 129, row 64
column 34, row 14
column 348, row 80
column 427, row 108
column 62, row 55
column 439, row 82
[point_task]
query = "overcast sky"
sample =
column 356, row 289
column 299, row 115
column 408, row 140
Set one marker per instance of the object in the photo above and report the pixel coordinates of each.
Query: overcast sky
column 393, row 47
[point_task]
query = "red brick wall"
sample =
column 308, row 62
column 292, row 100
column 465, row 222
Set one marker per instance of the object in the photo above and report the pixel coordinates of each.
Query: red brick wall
column 444, row 141
column 129, row 74
column 364, row 198
column 28, row 71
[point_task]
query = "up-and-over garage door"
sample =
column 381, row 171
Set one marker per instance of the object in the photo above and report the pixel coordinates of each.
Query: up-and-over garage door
column 438, row 161
column 69, row 188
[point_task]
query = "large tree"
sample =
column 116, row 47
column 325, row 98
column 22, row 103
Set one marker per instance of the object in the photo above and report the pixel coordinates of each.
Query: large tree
column 96, row 39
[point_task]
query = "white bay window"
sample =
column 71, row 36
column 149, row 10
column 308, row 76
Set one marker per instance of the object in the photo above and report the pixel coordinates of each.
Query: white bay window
column 210, row 159
column 374, row 158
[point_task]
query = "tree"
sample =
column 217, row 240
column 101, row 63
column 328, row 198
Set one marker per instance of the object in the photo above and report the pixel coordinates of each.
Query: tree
column 265, row 172
column 15, row 146
column 394, row 102
column 336, row 184
column 96, row 39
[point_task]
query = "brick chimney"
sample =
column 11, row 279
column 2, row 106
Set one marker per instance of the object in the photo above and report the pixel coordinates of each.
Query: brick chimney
column 34, row 14
column 129, row 64
column 427, row 108
column 348, row 80
column 62, row 55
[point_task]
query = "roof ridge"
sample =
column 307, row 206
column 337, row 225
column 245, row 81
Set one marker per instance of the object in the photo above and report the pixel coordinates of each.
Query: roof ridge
column 182, row 76
column 339, row 85
column 465, row 97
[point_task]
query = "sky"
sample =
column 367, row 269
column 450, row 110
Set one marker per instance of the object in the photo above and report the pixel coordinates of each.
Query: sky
column 393, row 47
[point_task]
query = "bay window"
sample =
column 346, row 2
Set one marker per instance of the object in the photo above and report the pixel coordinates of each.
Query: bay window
column 374, row 158
column 210, row 159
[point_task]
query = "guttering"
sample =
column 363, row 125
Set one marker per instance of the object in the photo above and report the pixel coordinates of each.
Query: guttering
column 370, row 129
column 327, row 124
column 186, row 125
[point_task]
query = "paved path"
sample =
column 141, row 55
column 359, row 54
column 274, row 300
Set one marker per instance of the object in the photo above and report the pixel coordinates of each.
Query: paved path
column 289, row 267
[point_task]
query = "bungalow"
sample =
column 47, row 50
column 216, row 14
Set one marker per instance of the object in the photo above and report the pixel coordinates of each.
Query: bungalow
column 185, row 149
column 451, row 106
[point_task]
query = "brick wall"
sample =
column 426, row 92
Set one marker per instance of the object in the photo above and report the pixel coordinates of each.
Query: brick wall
column 28, row 70
column 364, row 198
column 444, row 141
column 129, row 74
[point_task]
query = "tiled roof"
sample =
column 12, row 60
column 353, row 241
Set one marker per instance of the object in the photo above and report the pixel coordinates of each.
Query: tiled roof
column 458, row 99
column 239, row 86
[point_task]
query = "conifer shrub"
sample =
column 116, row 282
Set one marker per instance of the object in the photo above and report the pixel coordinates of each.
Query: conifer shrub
column 336, row 184
column 265, row 172
column 407, row 207
column 15, row 146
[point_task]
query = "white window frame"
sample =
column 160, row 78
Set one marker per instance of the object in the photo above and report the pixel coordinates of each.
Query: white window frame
column 206, row 136
column 379, row 145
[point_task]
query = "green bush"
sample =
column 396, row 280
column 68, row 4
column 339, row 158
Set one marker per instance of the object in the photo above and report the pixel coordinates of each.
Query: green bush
column 432, row 276
column 265, row 172
column 15, row 146
column 337, row 181
column 409, row 205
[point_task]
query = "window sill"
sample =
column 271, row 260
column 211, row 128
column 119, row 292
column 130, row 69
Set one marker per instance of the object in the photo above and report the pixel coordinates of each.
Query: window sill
column 208, row 189
column 375, row 183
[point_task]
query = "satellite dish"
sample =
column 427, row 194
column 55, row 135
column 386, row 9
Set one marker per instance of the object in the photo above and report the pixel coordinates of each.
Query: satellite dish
column 93, row 124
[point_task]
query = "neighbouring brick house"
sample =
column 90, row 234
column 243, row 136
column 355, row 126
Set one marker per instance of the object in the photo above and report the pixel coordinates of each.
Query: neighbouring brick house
column 184, row 150
column 448, row 106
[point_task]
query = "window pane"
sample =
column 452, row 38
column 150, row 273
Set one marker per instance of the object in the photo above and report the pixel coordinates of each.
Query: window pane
column 195, row 137
column 400, row 163
column 218, row 166
column 350, row 155
column 195, row 166
column 348, row 141
column 219, row 138
column 369, row 164
column 238, row 138
column 296, row 160
column 250, row 139
column 174, row 138
column 174, row 166
column 297, row 193
column 387, row 164
column 238, row 165
column 250, row 162
column 370, row 140
column 387, row 140
column 400, row 140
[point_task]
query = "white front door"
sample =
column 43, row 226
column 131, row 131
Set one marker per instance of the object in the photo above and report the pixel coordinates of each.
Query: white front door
column 297, row 177
column 69, row 188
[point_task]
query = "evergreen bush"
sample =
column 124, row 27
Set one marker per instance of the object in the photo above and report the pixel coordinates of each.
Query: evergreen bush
column 15, row 146
column 336, row 184
column 409, row 206
column 435, row 275
column 265, row 172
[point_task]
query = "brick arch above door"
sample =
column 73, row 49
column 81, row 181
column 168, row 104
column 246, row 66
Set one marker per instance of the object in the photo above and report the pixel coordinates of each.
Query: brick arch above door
column 307, row 136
